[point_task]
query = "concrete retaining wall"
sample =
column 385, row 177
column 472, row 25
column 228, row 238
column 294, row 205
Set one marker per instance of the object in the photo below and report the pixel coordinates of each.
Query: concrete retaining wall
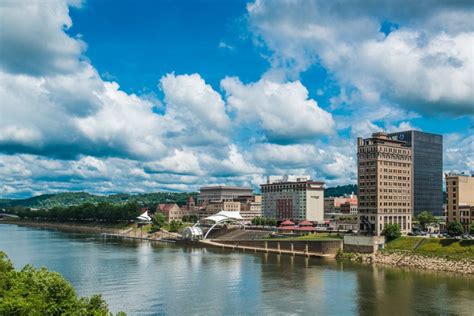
column 315, row 246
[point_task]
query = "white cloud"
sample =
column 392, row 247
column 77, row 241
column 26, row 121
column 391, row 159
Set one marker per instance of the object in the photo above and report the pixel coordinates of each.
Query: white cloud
column 33, row 37
column 195, row 113
column 282, row 110
column 426, row 65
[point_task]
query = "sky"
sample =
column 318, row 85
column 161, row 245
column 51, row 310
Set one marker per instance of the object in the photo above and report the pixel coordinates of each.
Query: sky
column 123, row 96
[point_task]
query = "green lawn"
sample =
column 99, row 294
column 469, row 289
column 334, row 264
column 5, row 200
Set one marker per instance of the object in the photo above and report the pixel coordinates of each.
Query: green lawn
column 452, row 248
column 456, row 249
column 402, row 243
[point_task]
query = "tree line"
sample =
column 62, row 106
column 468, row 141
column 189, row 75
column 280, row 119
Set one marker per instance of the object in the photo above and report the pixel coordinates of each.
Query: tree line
column 105, row 212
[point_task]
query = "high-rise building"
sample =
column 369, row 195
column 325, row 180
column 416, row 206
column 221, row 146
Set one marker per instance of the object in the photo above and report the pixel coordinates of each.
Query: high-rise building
column 427, row 170
column 222, row 194
column 460, row 192
column 384, row 180
column 295, row 198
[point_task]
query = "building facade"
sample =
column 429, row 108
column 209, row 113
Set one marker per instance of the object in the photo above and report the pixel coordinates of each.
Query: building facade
column 222, row 194
column 299, row 199
column 460, row 198
column 385, row 184
column 212, row 208
column 427, row 170
column 250, row 207
column 172, row 211
column 349, row 208
column 332, row 204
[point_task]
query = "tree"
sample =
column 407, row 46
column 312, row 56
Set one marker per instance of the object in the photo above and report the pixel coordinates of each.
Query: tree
column 471, row 229
column 426, row 218
column 455, row 228
column 158, row 220
column 391, row 231
column 41, row 292
column 174, row 226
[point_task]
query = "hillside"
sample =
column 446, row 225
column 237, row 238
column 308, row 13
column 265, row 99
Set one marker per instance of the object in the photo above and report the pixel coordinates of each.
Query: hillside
column 77, row 198
column 341, row 190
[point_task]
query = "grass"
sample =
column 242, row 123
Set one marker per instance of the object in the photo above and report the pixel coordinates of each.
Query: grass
column 434, row 247
column 403, row 243
column 456, row 249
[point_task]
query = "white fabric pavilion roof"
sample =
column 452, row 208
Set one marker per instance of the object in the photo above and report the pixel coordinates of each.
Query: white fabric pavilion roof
column 144, row 217
column 224, row 215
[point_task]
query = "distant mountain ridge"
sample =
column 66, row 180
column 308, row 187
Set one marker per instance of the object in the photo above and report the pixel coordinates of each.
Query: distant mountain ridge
column 77, row 198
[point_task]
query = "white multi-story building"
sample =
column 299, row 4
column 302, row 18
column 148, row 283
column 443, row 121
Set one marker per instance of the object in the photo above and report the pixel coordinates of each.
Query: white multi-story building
column 293, row 197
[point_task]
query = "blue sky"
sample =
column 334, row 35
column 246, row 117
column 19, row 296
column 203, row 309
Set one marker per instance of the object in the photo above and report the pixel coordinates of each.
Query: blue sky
column 125, row 96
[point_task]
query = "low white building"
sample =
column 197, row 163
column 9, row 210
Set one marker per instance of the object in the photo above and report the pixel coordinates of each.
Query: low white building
column 293, row 197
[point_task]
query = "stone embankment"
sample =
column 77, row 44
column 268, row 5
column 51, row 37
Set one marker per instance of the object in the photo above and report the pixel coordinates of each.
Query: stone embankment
column 402, row 259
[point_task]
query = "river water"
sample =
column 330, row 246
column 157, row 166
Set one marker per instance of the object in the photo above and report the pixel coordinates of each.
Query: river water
column 145, row 278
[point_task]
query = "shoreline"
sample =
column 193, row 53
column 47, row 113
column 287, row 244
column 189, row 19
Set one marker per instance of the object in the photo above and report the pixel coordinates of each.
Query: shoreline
column 400, row 259
column 74, row 227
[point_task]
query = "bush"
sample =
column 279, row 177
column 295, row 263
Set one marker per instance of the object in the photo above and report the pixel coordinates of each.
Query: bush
column 391, row 232
column 41, row 292
column 471, row 229
column 455, row 228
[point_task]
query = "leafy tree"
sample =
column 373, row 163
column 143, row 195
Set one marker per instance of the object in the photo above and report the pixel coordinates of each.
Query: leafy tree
column 455, row 228
column 175, row 225
column 193, row 218
column 471, row 229
column 426, row 218
column 41, row 292
column 158, row 220
column 391, row 231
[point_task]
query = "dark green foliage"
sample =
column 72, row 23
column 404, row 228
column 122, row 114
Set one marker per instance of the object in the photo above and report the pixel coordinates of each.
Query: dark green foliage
column 105, row 212
column 175, row 226
column 391, row 232
column 341, row 190
column 157, row 221
column 471, row 229
column 455, row 228
column 41, row 292
column 426, row 218
column 193, row 218
column 263, row 221
column 78, row 198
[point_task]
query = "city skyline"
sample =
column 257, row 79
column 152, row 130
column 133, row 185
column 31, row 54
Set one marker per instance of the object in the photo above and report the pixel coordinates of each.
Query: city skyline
column 107, row 97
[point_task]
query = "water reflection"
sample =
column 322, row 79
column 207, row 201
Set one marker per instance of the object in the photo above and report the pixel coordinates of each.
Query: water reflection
column 141, row 277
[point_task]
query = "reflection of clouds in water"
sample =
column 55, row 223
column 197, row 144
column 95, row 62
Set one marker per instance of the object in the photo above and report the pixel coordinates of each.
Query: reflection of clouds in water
column 142, row 277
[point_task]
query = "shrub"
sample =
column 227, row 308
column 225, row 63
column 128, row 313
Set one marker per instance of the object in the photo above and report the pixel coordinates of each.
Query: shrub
column 391, row 231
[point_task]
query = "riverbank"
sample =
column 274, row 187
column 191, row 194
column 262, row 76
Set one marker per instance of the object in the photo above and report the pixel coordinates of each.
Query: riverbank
column 111, row 228
column 450, row 255
column 410, row 260
column 120, row 229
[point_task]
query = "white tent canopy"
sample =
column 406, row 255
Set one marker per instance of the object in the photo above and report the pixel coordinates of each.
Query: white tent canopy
column 144, row 217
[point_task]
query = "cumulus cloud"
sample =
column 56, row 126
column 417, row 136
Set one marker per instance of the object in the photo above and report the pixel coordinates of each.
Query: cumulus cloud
column 282, row 110
column 425, row 64
column 33, row 38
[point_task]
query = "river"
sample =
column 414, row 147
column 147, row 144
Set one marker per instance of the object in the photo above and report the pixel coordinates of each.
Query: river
column 145, row 278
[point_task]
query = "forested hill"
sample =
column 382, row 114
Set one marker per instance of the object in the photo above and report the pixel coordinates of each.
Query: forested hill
column 341, row 190
column 77, row 198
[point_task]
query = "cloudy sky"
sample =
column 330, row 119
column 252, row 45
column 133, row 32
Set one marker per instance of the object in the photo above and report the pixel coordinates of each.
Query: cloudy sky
column 119, row 96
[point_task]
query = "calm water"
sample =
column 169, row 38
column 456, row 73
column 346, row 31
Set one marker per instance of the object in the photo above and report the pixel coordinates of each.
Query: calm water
column 143, row 278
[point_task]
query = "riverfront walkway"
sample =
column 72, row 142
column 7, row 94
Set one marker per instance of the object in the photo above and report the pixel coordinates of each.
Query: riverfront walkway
column 267, row 249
